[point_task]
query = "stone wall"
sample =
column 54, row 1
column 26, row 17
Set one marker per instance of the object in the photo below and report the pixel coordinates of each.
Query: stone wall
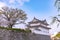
column 14, row 35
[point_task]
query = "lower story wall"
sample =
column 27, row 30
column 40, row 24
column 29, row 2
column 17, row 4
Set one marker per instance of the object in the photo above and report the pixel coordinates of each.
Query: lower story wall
column 14, row 35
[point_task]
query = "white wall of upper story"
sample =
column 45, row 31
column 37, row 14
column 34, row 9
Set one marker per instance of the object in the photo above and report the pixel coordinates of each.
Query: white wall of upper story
column 34, row 24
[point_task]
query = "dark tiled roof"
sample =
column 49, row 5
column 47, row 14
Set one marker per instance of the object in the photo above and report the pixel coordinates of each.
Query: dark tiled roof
column 38, row 21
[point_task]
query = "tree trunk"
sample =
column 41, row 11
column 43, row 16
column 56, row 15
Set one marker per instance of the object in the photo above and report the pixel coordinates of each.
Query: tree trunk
column 10, row 26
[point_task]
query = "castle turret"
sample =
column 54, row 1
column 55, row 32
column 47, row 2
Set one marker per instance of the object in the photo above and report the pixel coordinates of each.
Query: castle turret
column 39, row 26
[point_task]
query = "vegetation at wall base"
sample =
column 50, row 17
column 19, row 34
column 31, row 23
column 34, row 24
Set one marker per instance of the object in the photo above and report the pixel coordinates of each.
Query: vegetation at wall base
column 58, row 35
column 16, row 29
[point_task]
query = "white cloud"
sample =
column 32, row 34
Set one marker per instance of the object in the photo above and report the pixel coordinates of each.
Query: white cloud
column 21, row 2
column 13, row 2
column 2, row 4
